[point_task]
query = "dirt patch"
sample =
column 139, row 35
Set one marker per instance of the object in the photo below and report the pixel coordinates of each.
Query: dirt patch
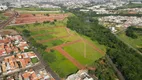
column 31, row 18
column 8, row 31
column 62, row 45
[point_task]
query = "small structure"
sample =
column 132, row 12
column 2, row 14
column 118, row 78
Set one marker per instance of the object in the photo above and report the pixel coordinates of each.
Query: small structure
column 3, row 7
column 80, row 75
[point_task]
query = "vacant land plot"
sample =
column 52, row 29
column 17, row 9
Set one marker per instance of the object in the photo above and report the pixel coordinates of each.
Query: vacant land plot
column 33, row 18
column 83, row 52
column 61, row 65
column 78, row 51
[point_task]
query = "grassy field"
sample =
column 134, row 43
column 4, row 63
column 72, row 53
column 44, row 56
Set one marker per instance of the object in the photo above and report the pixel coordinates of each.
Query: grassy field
column 65, row 67
column 2, row 17
column 131, row 5
column 60, row 65
column 77, row 51
column 137, row 43
column 37, row 9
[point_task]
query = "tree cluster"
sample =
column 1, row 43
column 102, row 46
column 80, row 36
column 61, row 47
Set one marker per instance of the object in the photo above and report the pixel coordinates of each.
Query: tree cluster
column 128, row 61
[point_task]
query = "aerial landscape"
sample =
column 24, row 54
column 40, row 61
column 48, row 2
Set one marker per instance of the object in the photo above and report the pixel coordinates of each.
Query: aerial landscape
column 70, row 40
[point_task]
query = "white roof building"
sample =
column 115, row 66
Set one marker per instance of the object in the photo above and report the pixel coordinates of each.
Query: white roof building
column 3, row 7
column 80, row 75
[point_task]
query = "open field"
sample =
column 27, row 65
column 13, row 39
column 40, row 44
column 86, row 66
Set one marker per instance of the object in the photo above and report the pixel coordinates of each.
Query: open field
column 77, row 51
column 60, row 65
column 137, row 43
column 70, row 48
column 37, row 9
column 39, row 18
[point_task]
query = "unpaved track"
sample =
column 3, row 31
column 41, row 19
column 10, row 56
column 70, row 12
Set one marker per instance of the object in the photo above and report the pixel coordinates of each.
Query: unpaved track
column 97, row 49
column 66, row 44
column 70, row 58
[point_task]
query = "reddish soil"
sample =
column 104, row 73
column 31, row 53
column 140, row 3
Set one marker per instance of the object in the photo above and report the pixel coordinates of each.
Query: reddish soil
column 62, row 45
column 7, row 14
column 91, row 44
column 64, row 53
column 30, row 18
column 75, row 62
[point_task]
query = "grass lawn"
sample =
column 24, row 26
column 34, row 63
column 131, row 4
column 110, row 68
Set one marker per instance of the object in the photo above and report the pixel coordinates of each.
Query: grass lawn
column 2, row 17
column 53, row 43
column 62, row 66
column 61, row 32
column 43, row 37
column 102, row 47
column 34, row 60
column 77, row 51
column 137, row 43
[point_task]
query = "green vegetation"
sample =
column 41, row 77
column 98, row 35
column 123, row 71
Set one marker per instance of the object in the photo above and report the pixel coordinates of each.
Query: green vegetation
column 60, row 65
column 2, row 17
column 45, row 31
column 76, row 50
column 37, row 9
column 128, row 61
column 53, row 58
column 135, row 42
column 130, row 33
column 103, row 70
column 132, row 5
column 34, row 60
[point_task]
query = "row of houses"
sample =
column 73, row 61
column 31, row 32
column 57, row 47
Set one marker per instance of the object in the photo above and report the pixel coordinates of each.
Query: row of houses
column 118, row 23
column 18, row 61
column 12, row 44
column 31, row 74
column 16, row 56
column 125, row 20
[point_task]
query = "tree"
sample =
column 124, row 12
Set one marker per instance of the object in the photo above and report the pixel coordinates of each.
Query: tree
column 130, row 33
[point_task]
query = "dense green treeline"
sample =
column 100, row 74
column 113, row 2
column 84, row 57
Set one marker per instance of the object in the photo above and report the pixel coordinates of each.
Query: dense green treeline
column 103, row 70
column 132, row 31
column 128, row 61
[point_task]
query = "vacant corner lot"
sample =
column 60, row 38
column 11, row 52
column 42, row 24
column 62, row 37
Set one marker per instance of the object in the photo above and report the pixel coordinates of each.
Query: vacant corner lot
column 56, row 36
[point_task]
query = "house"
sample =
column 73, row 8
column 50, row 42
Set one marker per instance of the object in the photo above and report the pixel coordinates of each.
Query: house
column 31, row 75
column 2, row 49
